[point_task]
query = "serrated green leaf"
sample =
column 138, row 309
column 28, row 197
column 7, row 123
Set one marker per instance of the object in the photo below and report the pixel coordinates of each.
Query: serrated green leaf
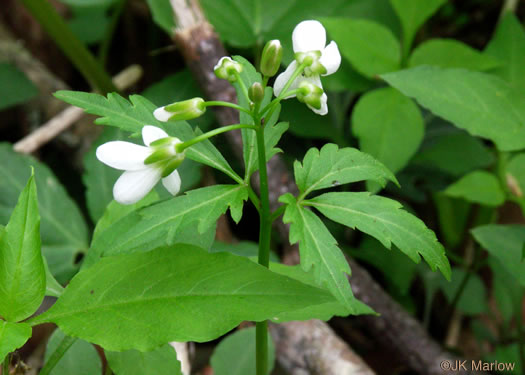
column 319, row 251
column 450, row 53
column 384, row 219
column 16, row 88
column 370, row 47
column 169, row 222
column 12, row 337
column 508, row 45
column 22, row 275
column 413, row 14
column 473, row 299
column 119, row 302
column 235, row 354
column 504, row 242
column 62, row 228
column 389, row 127
column 80, row 359
column 161, row 361
column 480, row 103
column 332, row 166
column 478, row 187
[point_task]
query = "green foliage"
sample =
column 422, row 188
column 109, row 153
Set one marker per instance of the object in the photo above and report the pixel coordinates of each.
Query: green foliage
column 473, row 299
column 63, row 229
column 371, row 48
column 15, row 88
column 88, row 3
column 84, row 17
column 81, row 358
column 332, row 166
column 383, row 219
column 12, row 337
column 478, row 187
column 450, row 53
column 22, row 276
column 505, row 243
column 480, row 103
column 516, row 174
column 162, row 13
column 235, row 355
column 389, row 127
column 53, row 287
column 119, row 302
column 161, row 361
column 242, row 248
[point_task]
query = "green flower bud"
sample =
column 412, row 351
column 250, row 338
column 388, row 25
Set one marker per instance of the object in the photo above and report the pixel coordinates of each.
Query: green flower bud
column 310, row 94
column 172, row 164
column 227, row 69
column 256, row 92
column 180, row 111
column 313, row 63
column 271, row 57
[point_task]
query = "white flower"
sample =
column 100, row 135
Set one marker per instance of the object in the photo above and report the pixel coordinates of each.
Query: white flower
column 142, row 175
column 309, row 40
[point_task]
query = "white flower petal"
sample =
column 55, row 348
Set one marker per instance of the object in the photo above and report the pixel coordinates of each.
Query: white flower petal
column 123, row 155
column 161, row 114
column 330, row 58
column 172, row 182
column 324, row 106
column 132, row 186
column 151, row 133
column 309, row 36
column 282, row 78
column 219, row 63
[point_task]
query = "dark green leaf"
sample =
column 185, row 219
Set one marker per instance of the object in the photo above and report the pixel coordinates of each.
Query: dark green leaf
column 163, row 16
column 478, row 187
column 515, row 172
column 161, row 361
column 84, row 17
column 242, row 248
column 473, row 297
column 15, row 87
column 12, row 337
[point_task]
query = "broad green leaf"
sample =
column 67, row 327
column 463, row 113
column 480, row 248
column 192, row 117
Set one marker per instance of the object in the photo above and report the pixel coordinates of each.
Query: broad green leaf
column 84, row 17
column 134, row 114
column 169, row 222
column 371, row 48
column 243, row 248
column 319, row 251
column 62, row 228
column 235, row 354
column 453, row 214
column 332, row 166
column 504, row 242
column 505, row 290
column 384, row 219
column 305, row 123
column 12, row 337
column 22, row 272
column 163, row 15
column 508, row 45
column 508, row 358
column 161, row 361
column 389, row 127
column 478, row 187
column 413, row 14
column 473, row 300
column 53, row 287
column 16, row 88
column 183, row 293
column 80, row 359
column 515, row 173
column 480, row 103
column 450, row 53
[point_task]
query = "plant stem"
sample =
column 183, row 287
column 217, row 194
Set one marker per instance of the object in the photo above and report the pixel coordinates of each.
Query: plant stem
column 217, row 103
column 59, row 352
column 5, row 365
column 243, row 87
column 74, row 49
column 108, row 37
column 184, row 145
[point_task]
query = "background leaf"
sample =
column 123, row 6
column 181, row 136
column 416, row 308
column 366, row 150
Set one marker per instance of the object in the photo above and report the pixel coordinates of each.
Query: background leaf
column 12, row 337
column 515, row 171
column 473, row 297
column 161, row 361
column 162, row 13
column 16, row 88
column 478, row 187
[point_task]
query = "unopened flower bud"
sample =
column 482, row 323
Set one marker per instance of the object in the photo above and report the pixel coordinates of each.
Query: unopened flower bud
column 227, row 69
column 310, row 94
column 180, row 111
column 271, row 57
column 256, row 92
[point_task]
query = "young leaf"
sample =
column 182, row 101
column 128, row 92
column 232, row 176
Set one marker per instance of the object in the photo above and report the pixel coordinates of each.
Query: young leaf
column 63, row 229
column 370, row 47
column 12, row 337
column 478, row 187
column 480, row 103
column 332, row 166
column 235, row 354
column 413, row 14
column 183, row 293
column 80, row 359
column 165, row 223
column 161, row 361
column 22, row 272
column 450, row 53
column 504, row 242
column 318, row 249
column 384, row 219
column 508, row 45
column 389, row 127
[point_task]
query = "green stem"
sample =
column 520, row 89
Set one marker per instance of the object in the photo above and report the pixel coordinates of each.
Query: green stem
column 59, row 352
column 278, row 212
column 218, row 103
column 184, row 145
column 108, row 37
column 5, row 365
column 74, row 49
